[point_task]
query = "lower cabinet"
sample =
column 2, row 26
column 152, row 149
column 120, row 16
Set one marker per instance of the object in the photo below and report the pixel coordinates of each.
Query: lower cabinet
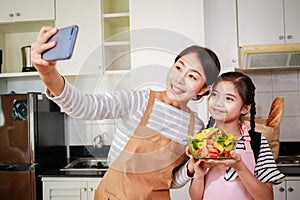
column 180, row 193
column 287, row 190
column 58, row 188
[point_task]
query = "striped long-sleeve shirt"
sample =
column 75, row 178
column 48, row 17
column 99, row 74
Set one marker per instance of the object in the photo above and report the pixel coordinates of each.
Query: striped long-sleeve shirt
column 128, row 107
column 265, row 169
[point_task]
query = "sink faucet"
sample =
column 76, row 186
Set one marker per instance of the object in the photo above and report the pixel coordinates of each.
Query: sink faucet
column 98, row 141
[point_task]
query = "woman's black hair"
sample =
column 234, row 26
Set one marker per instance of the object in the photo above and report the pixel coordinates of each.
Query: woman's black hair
column 246, row 90
column 209, row 60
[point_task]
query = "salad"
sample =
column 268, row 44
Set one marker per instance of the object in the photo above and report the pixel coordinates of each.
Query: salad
column 211, row 143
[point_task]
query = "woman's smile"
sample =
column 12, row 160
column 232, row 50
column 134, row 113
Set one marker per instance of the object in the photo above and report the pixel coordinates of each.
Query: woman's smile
column 177, row 90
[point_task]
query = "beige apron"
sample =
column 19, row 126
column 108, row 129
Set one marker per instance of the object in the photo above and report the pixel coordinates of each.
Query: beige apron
column 145, row 167
column 216, row 187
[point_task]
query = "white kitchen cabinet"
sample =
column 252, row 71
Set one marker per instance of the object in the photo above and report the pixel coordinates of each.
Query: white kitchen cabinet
column 268, row 21
column 30, row 10
column 279, row 191
column 87, row 56
column 30, row 16
column 116, row 37
column 159, row 30
column 220, row 30
column 287, row 190
column 181, row 193
column 69, row 188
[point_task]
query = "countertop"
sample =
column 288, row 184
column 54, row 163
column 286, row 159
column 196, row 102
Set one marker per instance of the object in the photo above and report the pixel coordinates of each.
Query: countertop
column 286, row 148
column 58, row 173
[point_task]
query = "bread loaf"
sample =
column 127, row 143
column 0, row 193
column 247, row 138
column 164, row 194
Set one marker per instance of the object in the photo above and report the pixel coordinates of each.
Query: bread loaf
column 276, row 111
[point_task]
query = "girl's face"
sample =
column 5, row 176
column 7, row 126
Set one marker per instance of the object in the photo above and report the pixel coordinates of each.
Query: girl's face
column 186, row 79
column 225, row 104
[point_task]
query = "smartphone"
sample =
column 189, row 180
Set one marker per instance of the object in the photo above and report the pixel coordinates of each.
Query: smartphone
column 65, row 41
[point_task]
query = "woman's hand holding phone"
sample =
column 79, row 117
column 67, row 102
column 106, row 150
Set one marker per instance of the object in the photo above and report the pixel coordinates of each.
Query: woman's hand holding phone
column 47, row 70
column 65, row 39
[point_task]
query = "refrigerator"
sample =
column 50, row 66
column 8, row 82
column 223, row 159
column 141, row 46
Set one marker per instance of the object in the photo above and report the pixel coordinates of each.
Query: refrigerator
column 32, row 141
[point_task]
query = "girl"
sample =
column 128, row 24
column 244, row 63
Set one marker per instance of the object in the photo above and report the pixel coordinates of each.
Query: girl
column 239, row 177
column 149, row 143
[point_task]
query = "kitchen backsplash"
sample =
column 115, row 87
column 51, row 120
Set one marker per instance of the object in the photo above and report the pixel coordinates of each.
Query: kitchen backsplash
column 87, row 151
column 286, row 83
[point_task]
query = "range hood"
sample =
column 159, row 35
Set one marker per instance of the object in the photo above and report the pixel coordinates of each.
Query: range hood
column 271, row 56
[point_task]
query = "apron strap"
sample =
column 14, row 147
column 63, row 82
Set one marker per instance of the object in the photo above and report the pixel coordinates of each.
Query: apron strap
column 246, row 137
column 192, row 123
column 148, row 110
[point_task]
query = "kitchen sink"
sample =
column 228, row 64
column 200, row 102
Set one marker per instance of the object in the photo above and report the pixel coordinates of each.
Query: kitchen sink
column 90, row 165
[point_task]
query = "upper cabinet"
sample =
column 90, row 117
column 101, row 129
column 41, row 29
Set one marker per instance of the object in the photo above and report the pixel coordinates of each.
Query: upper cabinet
column 30, row 10
column 159, row 30
column 220, row 30
column 20, row 23
column 268, row 21
column 292, row 16
column 116, row 37
column 87, row 55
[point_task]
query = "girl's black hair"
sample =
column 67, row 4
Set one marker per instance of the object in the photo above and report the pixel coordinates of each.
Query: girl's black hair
column 209, row 60
column 246, row 90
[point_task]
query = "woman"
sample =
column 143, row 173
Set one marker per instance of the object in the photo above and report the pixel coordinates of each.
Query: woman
column 150, row 143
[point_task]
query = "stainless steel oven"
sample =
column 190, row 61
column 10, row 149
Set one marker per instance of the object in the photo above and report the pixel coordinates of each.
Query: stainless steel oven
column 289, row 165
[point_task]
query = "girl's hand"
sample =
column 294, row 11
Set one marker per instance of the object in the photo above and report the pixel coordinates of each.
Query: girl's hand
column 235, row 161
column 201, row 167
column 39, row 46
column 196, row 167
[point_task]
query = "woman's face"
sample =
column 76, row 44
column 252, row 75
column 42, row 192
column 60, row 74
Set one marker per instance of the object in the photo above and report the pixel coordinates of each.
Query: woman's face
column 186, row 79
column 225, row 104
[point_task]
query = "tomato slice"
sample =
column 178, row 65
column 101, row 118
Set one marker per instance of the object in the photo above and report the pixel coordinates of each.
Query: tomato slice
column 212, row 155
column 226, row 153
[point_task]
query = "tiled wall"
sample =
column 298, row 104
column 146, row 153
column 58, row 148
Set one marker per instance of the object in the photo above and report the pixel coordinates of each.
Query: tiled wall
column 286, row 83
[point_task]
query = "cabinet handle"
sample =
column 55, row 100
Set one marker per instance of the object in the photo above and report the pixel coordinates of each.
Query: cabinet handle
column 18, row 14
column 90, row 189
column 290, row 189
column 233, row 60
column 281, row 37
column 281, row 189
column 289, row 37
column 83, row 189
column 10, row 14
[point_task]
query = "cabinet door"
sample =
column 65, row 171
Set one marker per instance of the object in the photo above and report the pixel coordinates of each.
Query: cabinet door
column 86, row 58
column 161, row 29
column 279, row 191
column 180, row 193
column 220, row 30
column 7, row 11
column 260, row 22
column 64, row 190
column 292, row 16
column 293, row 190
column 30, row 10
column 92, row 187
